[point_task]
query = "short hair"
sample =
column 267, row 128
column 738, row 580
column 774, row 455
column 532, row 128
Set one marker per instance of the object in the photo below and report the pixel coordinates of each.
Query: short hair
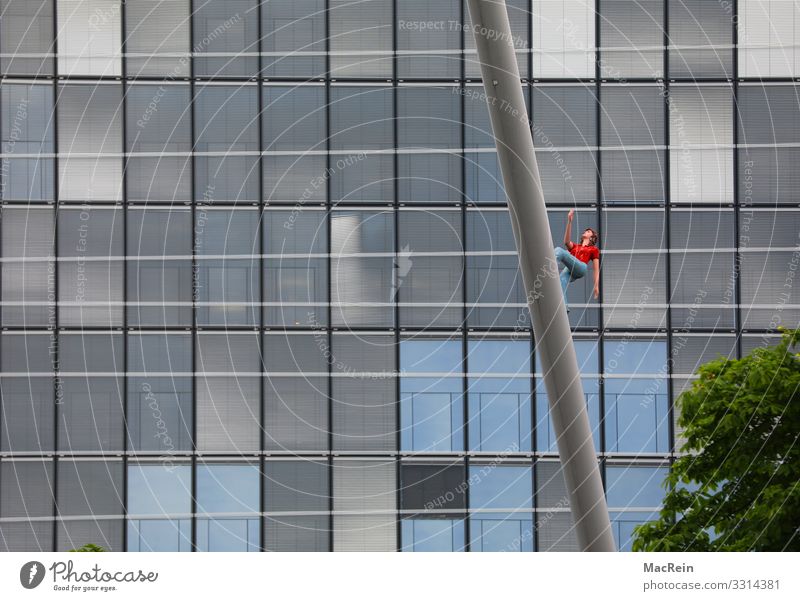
column 594, row 235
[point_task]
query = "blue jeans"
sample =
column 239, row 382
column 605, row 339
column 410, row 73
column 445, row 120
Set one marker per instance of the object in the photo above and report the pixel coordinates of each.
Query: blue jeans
column 574, row 269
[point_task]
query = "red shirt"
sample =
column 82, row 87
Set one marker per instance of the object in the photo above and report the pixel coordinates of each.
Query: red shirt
column 585, row 253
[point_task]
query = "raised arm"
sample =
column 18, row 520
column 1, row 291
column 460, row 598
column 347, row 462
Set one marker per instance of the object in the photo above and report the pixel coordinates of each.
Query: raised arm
column 596, row 266
column 567, row 243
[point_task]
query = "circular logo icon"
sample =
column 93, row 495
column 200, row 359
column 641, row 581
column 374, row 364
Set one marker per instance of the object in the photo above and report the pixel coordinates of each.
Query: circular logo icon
column 31, row 574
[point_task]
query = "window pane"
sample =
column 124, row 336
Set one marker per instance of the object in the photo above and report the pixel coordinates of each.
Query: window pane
column 361, row 121
column 295, row 268
column 160, row 392
column 429, row 118
column 90, row 488
column 228, row 391
column 431, row 408
column 631, row 38
column 499, row 395
column 633, row 280
column 495, row 294
column 362, row 286
column 90, row 272
column 632, row 356
column 160, row 282
column 766, row 274
column 432, row 488
column 764, row 282
column 430, row 287
column 361, row 38
column 296, row 406
column 293, row 38
column 768, row 44
column 500, row 487
column 227, row 246
column 228, row 118
column 367, row 490
column 632, row 115
column 227, row 33
column 159, row 125
column 637, row 417
column 630, row 487
column 432, row 535
column 157, row 37
column 294, row 117
column 26, row 37
column 701, row 139
column 702, row 34
column 361, row 118
column 564, row 121
column 501, row 532
column 27, row 131
column 232, row 490
column 89, row 37
column 701, row 239
column 428, row 39
column 769, row 155
column 28, row 286
column 364, row 392
column 302, row 487
column 156, row 492
column 623, row 522
column 90, row 121
column 564, row 115
column 27, row 490
column 91, row 413
column 555, row 20
column 28, row 410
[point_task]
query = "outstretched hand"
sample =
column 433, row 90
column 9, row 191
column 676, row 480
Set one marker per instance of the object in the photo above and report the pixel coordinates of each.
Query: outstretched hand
column 571, row 214
column 596, row 291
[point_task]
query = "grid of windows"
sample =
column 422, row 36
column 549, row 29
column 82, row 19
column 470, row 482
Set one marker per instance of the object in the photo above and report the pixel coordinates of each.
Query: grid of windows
column 259, row 286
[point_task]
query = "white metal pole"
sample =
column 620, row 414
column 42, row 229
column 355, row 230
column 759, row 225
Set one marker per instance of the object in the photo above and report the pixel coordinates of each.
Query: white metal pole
column 551, row 328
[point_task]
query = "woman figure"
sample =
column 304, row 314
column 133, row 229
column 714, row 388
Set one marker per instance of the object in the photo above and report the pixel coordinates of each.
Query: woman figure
column 576, row 258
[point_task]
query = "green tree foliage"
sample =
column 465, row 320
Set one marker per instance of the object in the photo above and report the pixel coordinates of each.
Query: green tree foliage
column 741, row 477
column 89, row 547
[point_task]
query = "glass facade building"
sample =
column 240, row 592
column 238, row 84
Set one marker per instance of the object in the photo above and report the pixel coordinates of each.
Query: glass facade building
column 259, row 287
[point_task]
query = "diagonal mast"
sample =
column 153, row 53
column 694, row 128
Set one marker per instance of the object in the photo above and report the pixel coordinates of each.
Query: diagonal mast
column 551, row 327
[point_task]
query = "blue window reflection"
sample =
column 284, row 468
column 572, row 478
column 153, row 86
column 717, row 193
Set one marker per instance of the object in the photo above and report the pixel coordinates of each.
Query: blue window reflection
column 493, row 487
column 625, row 356
column 623, row 522
column 636, row 399
column 586, row 352
column 500, row 487
column 499, row 395
column 431, row 408
column 432, row 534
column 501, row 532
column 637, row 415
column 159, row 506
column 634, row 486
column 232, row 490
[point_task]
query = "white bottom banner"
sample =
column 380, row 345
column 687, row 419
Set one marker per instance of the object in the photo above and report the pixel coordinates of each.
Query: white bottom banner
column 399, row 576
